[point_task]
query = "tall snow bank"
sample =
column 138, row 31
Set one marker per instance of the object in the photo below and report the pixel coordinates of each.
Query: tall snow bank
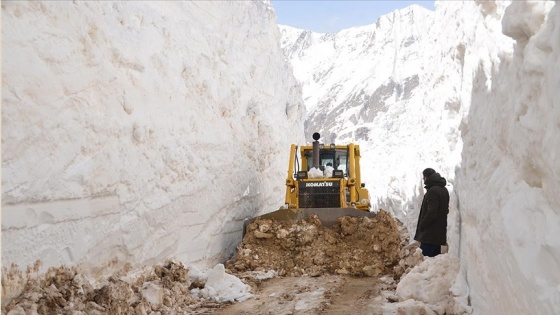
column 508, row 181
column 140, row 131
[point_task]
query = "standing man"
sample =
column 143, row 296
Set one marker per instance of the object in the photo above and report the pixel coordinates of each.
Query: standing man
column 431, row 230
column 328, row 170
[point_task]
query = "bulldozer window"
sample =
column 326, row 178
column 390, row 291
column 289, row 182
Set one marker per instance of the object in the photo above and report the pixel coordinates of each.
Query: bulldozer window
column 327, row 157
column 338, row 158
column 342, row 161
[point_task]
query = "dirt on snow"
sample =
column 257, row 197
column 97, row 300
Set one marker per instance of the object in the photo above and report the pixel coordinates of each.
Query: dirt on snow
column 63, row 290
column 325, row 261
column 353, row 246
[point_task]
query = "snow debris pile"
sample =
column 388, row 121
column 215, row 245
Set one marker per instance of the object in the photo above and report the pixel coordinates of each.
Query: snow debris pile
column 223, row 287
column 426, row 289
column 169, row 288
column 410, row 256
column 353, row 246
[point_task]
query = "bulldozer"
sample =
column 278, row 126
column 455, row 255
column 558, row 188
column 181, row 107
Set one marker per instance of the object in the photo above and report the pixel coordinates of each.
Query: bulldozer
column 312, row 190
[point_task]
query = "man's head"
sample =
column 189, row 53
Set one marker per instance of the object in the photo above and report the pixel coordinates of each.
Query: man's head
column 329, row 164
column 427, row 173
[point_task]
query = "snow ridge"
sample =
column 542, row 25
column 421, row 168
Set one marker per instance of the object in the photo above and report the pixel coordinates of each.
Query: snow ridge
column 121, row 119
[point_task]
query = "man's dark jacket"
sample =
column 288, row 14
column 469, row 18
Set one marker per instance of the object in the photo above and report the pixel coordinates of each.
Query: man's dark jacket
column 432, row 221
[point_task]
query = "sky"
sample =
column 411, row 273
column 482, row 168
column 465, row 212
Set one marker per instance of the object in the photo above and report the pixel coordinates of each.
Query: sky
column 333, row 16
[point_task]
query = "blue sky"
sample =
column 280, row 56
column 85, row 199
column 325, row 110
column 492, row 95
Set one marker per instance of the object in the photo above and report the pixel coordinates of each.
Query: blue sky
column 333, row 16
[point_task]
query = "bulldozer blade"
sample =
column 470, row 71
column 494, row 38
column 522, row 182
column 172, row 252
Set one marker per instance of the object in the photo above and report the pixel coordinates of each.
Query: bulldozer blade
column 328, row 216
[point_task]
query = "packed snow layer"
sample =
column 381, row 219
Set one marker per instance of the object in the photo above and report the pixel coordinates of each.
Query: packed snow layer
column 508, row 183
column 141, row 131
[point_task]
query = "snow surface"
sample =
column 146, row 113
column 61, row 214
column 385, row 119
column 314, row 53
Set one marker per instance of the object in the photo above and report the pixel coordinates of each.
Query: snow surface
column 141, row 131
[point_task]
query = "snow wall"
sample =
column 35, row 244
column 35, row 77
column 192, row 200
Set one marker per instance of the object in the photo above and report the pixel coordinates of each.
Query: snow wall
column 508, row 180
column 141, row 131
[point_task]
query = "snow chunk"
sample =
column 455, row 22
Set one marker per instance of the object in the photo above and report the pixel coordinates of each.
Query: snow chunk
column 315, row 173
column 223, row 287
column 523, row 19
column 153, row 293
column 429, row 283
column 328, row 171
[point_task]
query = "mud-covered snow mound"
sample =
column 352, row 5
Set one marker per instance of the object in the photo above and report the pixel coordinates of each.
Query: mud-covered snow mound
column 170, row 288
column 354, row 246
column 63, row 289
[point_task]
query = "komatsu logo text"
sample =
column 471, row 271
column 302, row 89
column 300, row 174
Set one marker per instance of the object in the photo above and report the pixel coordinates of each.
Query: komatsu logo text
column 323, row 184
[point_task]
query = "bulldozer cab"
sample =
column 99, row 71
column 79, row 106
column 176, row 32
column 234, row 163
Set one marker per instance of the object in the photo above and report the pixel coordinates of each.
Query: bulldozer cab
column 337, row 158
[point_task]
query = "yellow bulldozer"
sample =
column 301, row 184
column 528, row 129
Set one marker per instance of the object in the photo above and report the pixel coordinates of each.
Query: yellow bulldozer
column 323, row 179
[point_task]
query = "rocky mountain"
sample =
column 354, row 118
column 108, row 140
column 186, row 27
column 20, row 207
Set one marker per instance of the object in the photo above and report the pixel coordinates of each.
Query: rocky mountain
column 351, row 77
column 383, row 86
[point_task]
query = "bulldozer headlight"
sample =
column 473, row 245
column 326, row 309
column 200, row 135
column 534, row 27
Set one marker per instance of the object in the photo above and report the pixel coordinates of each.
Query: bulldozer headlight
column 301, row 175
column 338, row 173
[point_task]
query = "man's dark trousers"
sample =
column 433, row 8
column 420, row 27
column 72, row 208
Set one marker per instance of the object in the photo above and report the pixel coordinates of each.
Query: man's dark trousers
column 430, row 250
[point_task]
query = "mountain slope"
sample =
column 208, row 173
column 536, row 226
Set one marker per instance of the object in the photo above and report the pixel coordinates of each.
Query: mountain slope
column 375, row 85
